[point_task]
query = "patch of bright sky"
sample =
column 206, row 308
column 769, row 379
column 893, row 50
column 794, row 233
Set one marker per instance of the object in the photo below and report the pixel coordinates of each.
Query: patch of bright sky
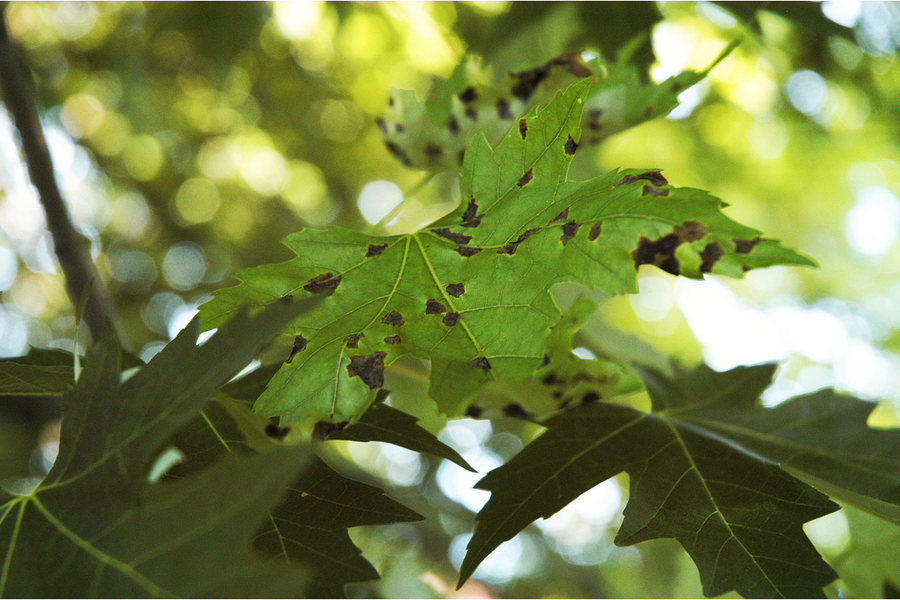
column 377, row 199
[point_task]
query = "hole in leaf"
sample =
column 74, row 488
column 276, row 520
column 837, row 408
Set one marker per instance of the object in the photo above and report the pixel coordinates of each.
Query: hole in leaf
column 456, row 289
column 392, row 318
column 450, row 319
column 528, row 176
column 375, row 250
column 369, row 368
column 325, row 283
column 300, row 343
column 569, row 230
column 433, row 307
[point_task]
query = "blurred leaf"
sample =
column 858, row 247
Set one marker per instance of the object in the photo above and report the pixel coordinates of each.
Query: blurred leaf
column 739, row 517
column 40, row 373
column 382, row 423
column 447, row 292
column 95, row 527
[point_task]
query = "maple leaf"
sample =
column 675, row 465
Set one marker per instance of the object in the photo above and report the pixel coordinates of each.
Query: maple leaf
column 739, row 517
column 109, row 531
column 449, row 292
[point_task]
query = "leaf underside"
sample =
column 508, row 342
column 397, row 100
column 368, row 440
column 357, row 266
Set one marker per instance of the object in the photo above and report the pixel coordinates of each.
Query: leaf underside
column 447, row 293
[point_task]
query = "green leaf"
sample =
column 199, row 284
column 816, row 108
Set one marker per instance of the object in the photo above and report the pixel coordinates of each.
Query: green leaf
column 447, row 293
column 109, row 532
column 822, row 438
column 382, row 423
column 740, row 519
column 39, row 373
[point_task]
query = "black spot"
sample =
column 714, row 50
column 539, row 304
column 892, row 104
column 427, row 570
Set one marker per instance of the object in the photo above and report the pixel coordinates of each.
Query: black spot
column 325, row 283
column 569, row 230
column 398, row 152
column 523, row 128
column 590, row 398
column 287, row 298
column 375, row 250
column 550, row 378
column 456, row 289
column 654, row 177
column 595, row 231
column 471, row 210
column 528, row 176
column 471, row 113
column 393, row 318
column 382, row 126
column 481, row 363
column 300, row 343
column 745, row 246
column 710, row 255
column 433, row 307
column 652, row 191
column 392, row 339
column 390, row 100
column 660, row 253
column 432, row 151
column 468, row 95
column 676, row 86
column 690, row 231
column 467, row 251
column 457, row 238
column 399, row 127
column 529, row 80
column 275, row 432
column 595, row 113
column 323, row 429
column 450, row 319
column 369, row 368
column 352, row 341
column 453, row 125
column 571, row 146
column 514, row 410
column 563, row 215
column 557, row 394
column 503, row 110
column 474, row 411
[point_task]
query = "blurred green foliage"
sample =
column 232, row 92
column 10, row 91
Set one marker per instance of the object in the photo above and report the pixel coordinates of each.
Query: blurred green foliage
column 206, row 132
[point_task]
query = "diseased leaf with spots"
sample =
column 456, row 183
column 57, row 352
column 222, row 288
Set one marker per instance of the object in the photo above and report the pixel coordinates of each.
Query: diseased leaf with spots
column 112, row 533
column 739, row 518
column 425, row 295
column 821, row 438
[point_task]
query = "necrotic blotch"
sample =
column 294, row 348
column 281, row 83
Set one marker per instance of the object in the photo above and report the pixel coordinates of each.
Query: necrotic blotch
column 398, row 153
column 481, row 363
column 474, row 411
column 528, row 176
column 467, row 251
column 515, row 410
column 352, row 341
column 433, row 307
column 300, row 343
column 468, row 95
column 563, row 215
column 660, row 253
column 392, row 318
column 503, row 110
column 275, row 432
column 569, row 230
column 325, row 283
column 369, row 368
column 710, row 255
column 652, row 191
column 571, row 146
column 456, row 289
column 450, row 319
column 375, row 250
column 595, row 231
column 745, row 246
column 457, row 238
column 453, row 125
column 654, row 177
column 392, row 339
column 523, row 128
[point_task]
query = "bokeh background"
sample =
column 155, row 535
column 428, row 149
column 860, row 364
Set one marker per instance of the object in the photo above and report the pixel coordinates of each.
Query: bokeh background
column 189, row 138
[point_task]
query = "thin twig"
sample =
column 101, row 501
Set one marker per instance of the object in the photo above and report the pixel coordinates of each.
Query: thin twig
column 72, row 248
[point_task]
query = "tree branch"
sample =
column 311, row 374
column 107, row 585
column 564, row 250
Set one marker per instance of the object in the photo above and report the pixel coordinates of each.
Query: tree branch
column 72, row 249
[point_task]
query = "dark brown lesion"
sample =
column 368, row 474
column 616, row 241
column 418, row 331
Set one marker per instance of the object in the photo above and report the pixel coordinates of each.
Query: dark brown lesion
column 352, row 341
column 393, row 318
column 275, row 432
column 450, row 319
column 456, row 289
column 568, row 232
column 560, row 217
column 392, row 339
column 523, row 128
column 654, row 177
column 571, row 146
column 375, row 250
column 746, row 246
column 511, row 248
column 369, row 368
column 710, row 256
column 652, row 191
column 468, row 95
column 453, row 125
column 503, row 110
column 300, row 343
column 456, row 238
column 433, row 307
column 468, row 251
column 690, row 231
column 398, row 152
column 482, row 363
column 325, row 283
column 660, row 253
column 596, row 230
column 528, row 176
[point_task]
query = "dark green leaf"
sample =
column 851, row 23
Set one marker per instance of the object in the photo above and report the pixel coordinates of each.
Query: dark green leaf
column 40, row 373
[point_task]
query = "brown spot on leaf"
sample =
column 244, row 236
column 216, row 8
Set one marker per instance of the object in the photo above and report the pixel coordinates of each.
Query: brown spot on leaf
column 468, row 95
column 563, row 215
column 382, row 126
column 745, row 246
column 323, row 429
column 513, row 246
column 474, row 411
column 467, row 251
column 596, row 230
column 528, row 176
column 471, row 113
column 398, row 152
column 275, row 432
column 473, row 222
column 569, row 230
column 595, row 113
column 654, row 177
column 471, row 210
column 453, row 125
column 481, row 363
column 325, row 283
column 652, row 191
column 352, row 341
column 393, row 318
column 571, row 146
column 300, row 343
column 456, row 289
column 287, row 299
column 515, row 410
column 450, row 319
column 375, row 250
column 457, row 238
column 648, row 112
column 433, row 307
column 545, row 362
column 432, row 151
column 660, row 253
column 369, row 368
column 523, row 128
column 503, row 110
column 509, row 249
column 710, row 255
column 392, row 339
column 528, row 81
column 690, row 231
column 590, row 398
